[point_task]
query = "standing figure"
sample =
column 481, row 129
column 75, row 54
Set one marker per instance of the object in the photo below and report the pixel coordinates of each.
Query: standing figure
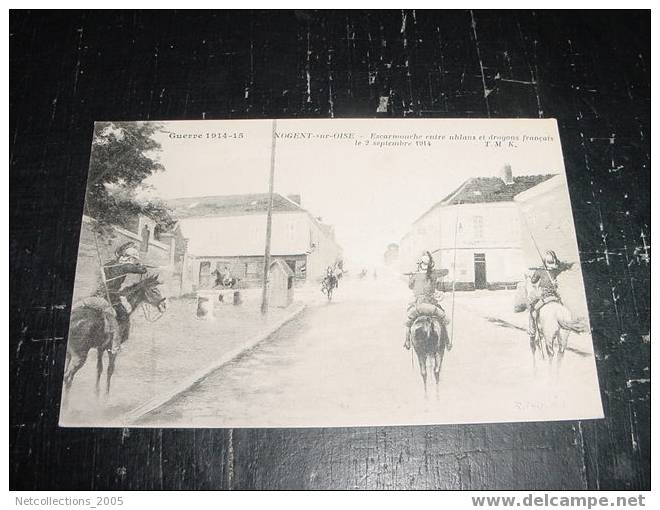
column 146, row 234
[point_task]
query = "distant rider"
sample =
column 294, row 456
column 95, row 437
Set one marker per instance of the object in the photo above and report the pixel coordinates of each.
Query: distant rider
column 331, row 280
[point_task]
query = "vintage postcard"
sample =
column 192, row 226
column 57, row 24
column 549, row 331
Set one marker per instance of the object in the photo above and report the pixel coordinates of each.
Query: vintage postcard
column 319, row 273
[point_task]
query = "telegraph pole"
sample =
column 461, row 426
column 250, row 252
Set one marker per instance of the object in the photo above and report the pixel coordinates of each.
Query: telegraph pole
column 269, row 224
column 453, row 285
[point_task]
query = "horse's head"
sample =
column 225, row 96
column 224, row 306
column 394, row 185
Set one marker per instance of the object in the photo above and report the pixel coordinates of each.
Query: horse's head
column 148, row 292
column 152, row 294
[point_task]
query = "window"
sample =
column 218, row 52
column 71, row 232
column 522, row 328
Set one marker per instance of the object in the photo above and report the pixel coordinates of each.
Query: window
column 252, row 269
column 478, row 224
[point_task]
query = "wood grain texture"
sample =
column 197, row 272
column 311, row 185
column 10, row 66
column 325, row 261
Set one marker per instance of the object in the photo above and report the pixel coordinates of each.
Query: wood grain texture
column 591, row 71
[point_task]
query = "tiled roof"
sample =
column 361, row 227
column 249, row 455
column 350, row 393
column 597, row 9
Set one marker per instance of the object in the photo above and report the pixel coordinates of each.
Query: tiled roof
column 229, row 205
column 492, row 189
column 482, row 190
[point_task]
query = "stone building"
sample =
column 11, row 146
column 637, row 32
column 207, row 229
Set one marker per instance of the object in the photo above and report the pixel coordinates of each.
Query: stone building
column 229, row 232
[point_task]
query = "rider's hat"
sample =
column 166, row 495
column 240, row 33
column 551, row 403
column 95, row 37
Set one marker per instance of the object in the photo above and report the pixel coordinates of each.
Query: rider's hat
column 128, row 250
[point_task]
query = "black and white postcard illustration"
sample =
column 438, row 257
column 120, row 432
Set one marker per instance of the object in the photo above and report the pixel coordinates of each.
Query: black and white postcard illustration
column 321, row 273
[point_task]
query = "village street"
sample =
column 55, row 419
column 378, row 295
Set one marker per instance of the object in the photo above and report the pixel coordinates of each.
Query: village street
column 342, row 363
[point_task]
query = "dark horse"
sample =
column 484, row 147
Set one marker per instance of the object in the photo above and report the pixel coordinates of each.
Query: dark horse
column 430, row 339
column 87, row 331
column 225, row 279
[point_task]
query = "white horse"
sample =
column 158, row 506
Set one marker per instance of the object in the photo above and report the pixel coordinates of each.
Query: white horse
column 554, row 323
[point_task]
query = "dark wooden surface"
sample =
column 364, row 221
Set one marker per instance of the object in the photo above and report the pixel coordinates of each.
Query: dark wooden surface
column 589, row 70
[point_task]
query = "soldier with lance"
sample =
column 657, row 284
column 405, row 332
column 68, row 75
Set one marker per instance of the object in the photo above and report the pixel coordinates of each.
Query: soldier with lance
column 115, row 271
column 426, row 301
column 545, row 280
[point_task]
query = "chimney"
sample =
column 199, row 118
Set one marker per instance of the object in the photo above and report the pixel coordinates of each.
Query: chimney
column 294, row 198
column 507, row 175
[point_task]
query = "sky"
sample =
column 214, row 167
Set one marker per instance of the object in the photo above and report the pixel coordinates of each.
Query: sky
column 371, row 194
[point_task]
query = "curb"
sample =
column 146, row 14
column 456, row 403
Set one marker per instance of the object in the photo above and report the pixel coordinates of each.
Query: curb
column 154, row 403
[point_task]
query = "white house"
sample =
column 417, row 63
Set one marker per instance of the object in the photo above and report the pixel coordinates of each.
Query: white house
column 474, row 232
column 230, row 231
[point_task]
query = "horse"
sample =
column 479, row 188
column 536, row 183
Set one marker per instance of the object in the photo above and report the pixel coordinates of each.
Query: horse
column 430, row 339
column 88, row 331
column 225, row 279
column 554, row 324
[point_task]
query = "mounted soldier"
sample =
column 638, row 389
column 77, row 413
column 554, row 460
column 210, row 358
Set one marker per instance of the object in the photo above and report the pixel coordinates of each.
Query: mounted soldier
column 115, row 271
column 424, row 285
column 544, row 280
column 330, row 274
column 329, row 282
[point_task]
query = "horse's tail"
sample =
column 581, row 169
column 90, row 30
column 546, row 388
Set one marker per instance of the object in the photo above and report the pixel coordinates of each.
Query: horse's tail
column 578, row 325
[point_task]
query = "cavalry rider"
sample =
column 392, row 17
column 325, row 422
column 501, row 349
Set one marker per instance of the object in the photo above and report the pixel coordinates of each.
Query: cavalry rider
column 545, row 280
column 426, row 300
column 333, row 281
column 115, row 271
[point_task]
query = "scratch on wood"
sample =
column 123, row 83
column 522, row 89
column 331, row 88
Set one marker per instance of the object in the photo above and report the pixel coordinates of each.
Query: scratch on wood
column 481, row 64
column 230, row 459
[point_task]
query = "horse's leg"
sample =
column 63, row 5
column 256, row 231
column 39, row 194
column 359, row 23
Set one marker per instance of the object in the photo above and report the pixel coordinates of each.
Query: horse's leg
column 443, row 340
column 548, row 330
column 422, row 367
column 67, row 361
column 562, row 338
column 66, row 387
column 533, row 332
column 99, row 369
column 532, row 347
column 439, row 355
column 110, row 369
column 74, row 364
column 541, row 334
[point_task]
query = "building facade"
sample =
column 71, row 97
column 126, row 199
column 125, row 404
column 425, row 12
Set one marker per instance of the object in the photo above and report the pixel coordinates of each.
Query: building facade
column 474, row 233
column 229, row 233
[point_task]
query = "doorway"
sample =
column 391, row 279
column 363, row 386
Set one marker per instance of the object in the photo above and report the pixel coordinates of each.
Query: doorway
column 480, row 281
column 204, row 274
